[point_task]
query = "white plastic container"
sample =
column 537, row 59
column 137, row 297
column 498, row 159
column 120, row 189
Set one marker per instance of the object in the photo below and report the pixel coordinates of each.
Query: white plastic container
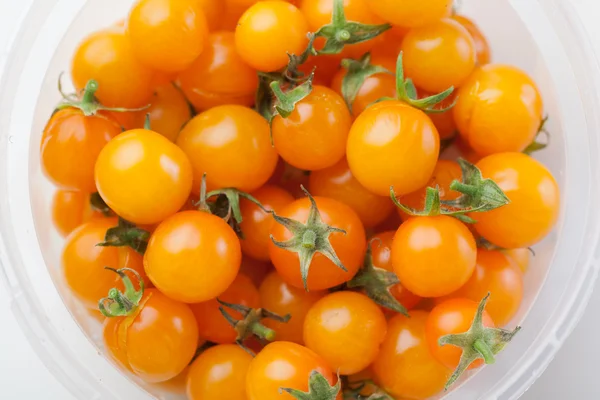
column 542, row 36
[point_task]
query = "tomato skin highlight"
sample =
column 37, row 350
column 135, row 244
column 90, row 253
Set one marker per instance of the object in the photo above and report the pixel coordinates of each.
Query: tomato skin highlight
column 482, row 45
column 193, row 256
column 143, row 176
column 433, row 256
column 392, row 144
column 157, row 342
column 534, row 201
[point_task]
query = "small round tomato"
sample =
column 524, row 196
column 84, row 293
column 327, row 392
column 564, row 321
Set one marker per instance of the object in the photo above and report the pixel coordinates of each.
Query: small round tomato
column 283, row 365
column 167, row 35
column 169, row 112
column 482, row 46
column 282, row 299
column 256, row 224
column 70, row 209
column 381, row 249
column 83, row 262
column 522, row 257
column 231, row 145
column 392, row 144
column 534, row 201
column 346, row 329
column 220, row 76
column 213, row 10
column 337, row 183
column 314, row 136
column 71, row 143
column 193, row 256
column 107, row 56
column 212, row 325
column 255, row 270
column 410, row 13
column 452, row 317
column 438, row 55
column 374, row 88
column 390, row 44
column 497, row 274
column 143, row 176
column 156, row 342
column 433, row 256
column 216, row 374
column 444, row 174
column 404, row 367
column 268, row 31
column 323, row 273
column 499, row 108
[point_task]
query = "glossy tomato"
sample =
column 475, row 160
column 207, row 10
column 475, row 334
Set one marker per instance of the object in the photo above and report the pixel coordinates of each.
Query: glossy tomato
column 499, row 108
column 193, row 256
column 405, row 367
column 482, row 46
column 392, row 144
column 143, row 176
column 346, row 329
column 522, row 257
column 220, row 76
column 231, row 145
column 282, row 299
column 410, row 13
column 255, row 270
column 70, row 209
column 534, row 201
column 213, row 10
column 216, row 374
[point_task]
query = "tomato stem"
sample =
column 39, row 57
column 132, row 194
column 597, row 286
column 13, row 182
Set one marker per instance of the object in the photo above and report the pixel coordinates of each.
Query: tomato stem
column 118, row 304
column 126, row 234
column 89, row 93
column 358, row 72
column 485, row 351
column 319, row 388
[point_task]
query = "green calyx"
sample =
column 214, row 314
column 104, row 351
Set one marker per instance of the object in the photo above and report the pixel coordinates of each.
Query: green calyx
column 478, row 195
column 250, row 324
column 358, row 72
column 98, row 204
column 87, row 103
column 309, row 239
column 126, row 234
column 319, row 388
column 477, row 343
column 376, row 283
column 538, row 145
column 119, row 304
column 285, row 102
column 354, row 390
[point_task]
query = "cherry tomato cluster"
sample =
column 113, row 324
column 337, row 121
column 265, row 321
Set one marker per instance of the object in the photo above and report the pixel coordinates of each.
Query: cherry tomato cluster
column 269, row 192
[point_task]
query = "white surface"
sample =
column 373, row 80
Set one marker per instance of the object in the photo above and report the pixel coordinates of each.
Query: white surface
column 22, row 375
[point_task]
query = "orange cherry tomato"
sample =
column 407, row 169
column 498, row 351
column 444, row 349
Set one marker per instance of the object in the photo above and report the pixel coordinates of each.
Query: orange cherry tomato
column 255, row 270
column 168, row 114
column 534, row 201
column 314, row 136
column 381, row 250
column 390, row 44
column 337, row 183
column 374, row 88
column 323, row 273
column 217, row 373
column 193, row 256
column 482, row 46
column 70, row 209
column 167, row 35
column 157, row 342
column 443, row 121
column 433, row 256
column 71, row 143
column 439, row 55
column 405, row 367
column 282, row 299
column 444, row 174
column 213, row 10
column 83, row 262
column 143, row 176
column 499, row 108
column 231, row 145
column 256, row 224
column 283, row 365
column 107, row 56
column 392, row 144
column 219, row 76
column 268, row 31
column 522, row 257
column 410, row 13
column 499, row 275
column 346, row 329
column 452, row 317
column 212, row 325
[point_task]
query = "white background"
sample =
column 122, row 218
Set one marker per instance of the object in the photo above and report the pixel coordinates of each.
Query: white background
column 573, row 374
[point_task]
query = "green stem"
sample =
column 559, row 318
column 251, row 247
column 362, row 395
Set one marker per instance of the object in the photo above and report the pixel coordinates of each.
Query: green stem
column 343, row 35
column 309, row 239
column 458, row 186
column 263, row 332
column 89, row 94
column 485, row 351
